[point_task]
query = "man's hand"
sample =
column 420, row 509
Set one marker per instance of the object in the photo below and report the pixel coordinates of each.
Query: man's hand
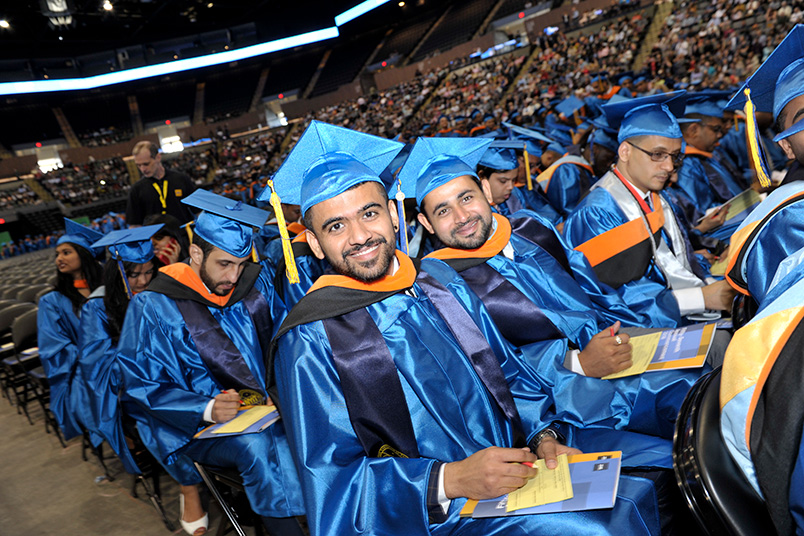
column 549, row 449
column 488, row 473
column 718, row 296
column 713, row 220
column 706, row 254
column 226, row 405
column 603, row 355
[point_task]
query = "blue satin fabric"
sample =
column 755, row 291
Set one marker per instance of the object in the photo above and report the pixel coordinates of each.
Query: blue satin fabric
column 568, row 185
column 166, row 378
column 268, row 235
column 580, row 297
column 647, row 404
column 649, row 295
column 708, row 184
column 57, row 332
column 688, row 215
column 452, row 416
column 309, row 268
column 781, row 236
column 524, row 199
column 102, row 375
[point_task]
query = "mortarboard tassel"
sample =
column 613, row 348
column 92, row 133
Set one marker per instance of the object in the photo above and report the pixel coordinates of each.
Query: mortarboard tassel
column 527, row 169
column 754, row 148
column 123, row 274
column 187, row 227
column 254, row 257
column 403, row 226
column 287, row 250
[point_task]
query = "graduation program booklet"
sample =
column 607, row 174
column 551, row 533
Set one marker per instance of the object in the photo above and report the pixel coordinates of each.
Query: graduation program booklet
column 592, row 480
column 249, row 420
column 740, row 206
column 678, row 348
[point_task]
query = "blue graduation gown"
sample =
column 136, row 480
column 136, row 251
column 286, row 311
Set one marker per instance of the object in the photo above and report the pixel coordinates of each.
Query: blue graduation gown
column 648, row 295
column 778, row 238
column 452, row 416
column 706, row 182
column 650, row 402
column 102, row 375
column 165, row 375
column 568, row 185
column 524, row 199
column 57, row 332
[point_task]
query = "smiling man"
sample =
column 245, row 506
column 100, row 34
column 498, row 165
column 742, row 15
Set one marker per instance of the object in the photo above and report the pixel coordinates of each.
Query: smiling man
column 192, row 351
column 400, row 401
column 627, row 230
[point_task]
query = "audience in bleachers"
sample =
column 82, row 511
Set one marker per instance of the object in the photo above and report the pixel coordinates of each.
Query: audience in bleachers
column 85, row 183
column 19, row 196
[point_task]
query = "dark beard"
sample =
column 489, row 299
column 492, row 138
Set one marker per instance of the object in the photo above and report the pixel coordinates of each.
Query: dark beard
column 209, row 283
column 376, row 269
column 472, row 242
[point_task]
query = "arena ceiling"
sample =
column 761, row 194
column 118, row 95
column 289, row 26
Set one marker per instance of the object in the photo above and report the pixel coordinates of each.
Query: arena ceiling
column 63, row 28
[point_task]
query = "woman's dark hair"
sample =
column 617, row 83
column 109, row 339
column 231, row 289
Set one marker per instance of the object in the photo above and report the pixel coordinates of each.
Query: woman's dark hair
column 172, row 229
column 90, row 270
column 115, row 298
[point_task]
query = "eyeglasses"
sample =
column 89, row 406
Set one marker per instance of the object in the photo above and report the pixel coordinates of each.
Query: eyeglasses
column 135, row 275
column 661, row 156
column 717, row 129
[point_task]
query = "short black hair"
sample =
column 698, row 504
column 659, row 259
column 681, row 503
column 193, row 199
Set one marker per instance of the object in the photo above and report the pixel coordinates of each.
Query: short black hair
column 205, row 246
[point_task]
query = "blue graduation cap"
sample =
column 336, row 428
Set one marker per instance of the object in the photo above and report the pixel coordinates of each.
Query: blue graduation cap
column 388, row 174
column 434, row 162
column 599, row 76
column 639, row 79
column 629, row 75
column 328, row 160
column 225, row 223
column 528, row 133
column 779, row 80
column 615, row 111
column 705, row 103
column 501, row 155
column 569, row 106
column 80, row 235
column 130, row 245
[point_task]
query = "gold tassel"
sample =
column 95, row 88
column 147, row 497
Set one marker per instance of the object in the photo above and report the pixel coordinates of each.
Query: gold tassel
column 736, row 123
column 753, row 143
column 254, row 257
column 188, row 227
column 527, row 169
column 287, row 250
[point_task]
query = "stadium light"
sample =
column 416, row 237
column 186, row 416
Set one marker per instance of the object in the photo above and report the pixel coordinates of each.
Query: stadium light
column 160, row 69
column 4, row 24
column 107, row 5
column 360, row 9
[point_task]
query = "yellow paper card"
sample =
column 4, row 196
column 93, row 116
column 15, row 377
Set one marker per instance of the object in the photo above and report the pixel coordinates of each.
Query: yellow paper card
column 548, row 486
column 643, row 350
column 741, row 202
column 244, row 420
column 719, row 267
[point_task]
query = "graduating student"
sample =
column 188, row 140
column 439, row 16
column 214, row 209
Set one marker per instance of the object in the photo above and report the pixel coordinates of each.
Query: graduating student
column 704, row 179
column 536, row 289
column 774, row 230
column 628, row 231
column 447, row 405
column 129, row 271
column 192, row 348
column 58, row 321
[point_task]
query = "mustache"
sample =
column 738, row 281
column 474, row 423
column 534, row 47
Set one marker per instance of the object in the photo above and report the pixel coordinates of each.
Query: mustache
column 368, row 244
column 467, row 222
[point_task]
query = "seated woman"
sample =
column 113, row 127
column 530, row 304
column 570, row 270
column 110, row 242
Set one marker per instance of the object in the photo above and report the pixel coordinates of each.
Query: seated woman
column 129, row 271
column 58, row 325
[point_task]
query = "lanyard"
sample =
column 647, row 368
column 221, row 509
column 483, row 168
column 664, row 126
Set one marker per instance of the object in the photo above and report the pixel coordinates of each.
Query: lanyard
column 645, row 208
column 162, row 193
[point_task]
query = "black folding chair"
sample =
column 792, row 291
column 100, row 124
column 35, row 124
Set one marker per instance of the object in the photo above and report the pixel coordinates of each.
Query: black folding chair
column 718, row 495
column 231, row 487
column 41, row 392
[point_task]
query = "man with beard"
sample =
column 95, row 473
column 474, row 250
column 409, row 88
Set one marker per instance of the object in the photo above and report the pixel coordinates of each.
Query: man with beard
column 402, row 400
column 535, row 290
column 192, row 351
column 628, row 231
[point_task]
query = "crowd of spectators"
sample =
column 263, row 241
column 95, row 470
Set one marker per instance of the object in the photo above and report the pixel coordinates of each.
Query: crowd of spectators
column 86, row 183
column 719, row 43
column 19, row 195
column 104, row 136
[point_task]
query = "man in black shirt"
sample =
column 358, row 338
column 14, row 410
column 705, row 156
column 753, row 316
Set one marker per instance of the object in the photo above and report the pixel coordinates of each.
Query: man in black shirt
column 159, row 191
